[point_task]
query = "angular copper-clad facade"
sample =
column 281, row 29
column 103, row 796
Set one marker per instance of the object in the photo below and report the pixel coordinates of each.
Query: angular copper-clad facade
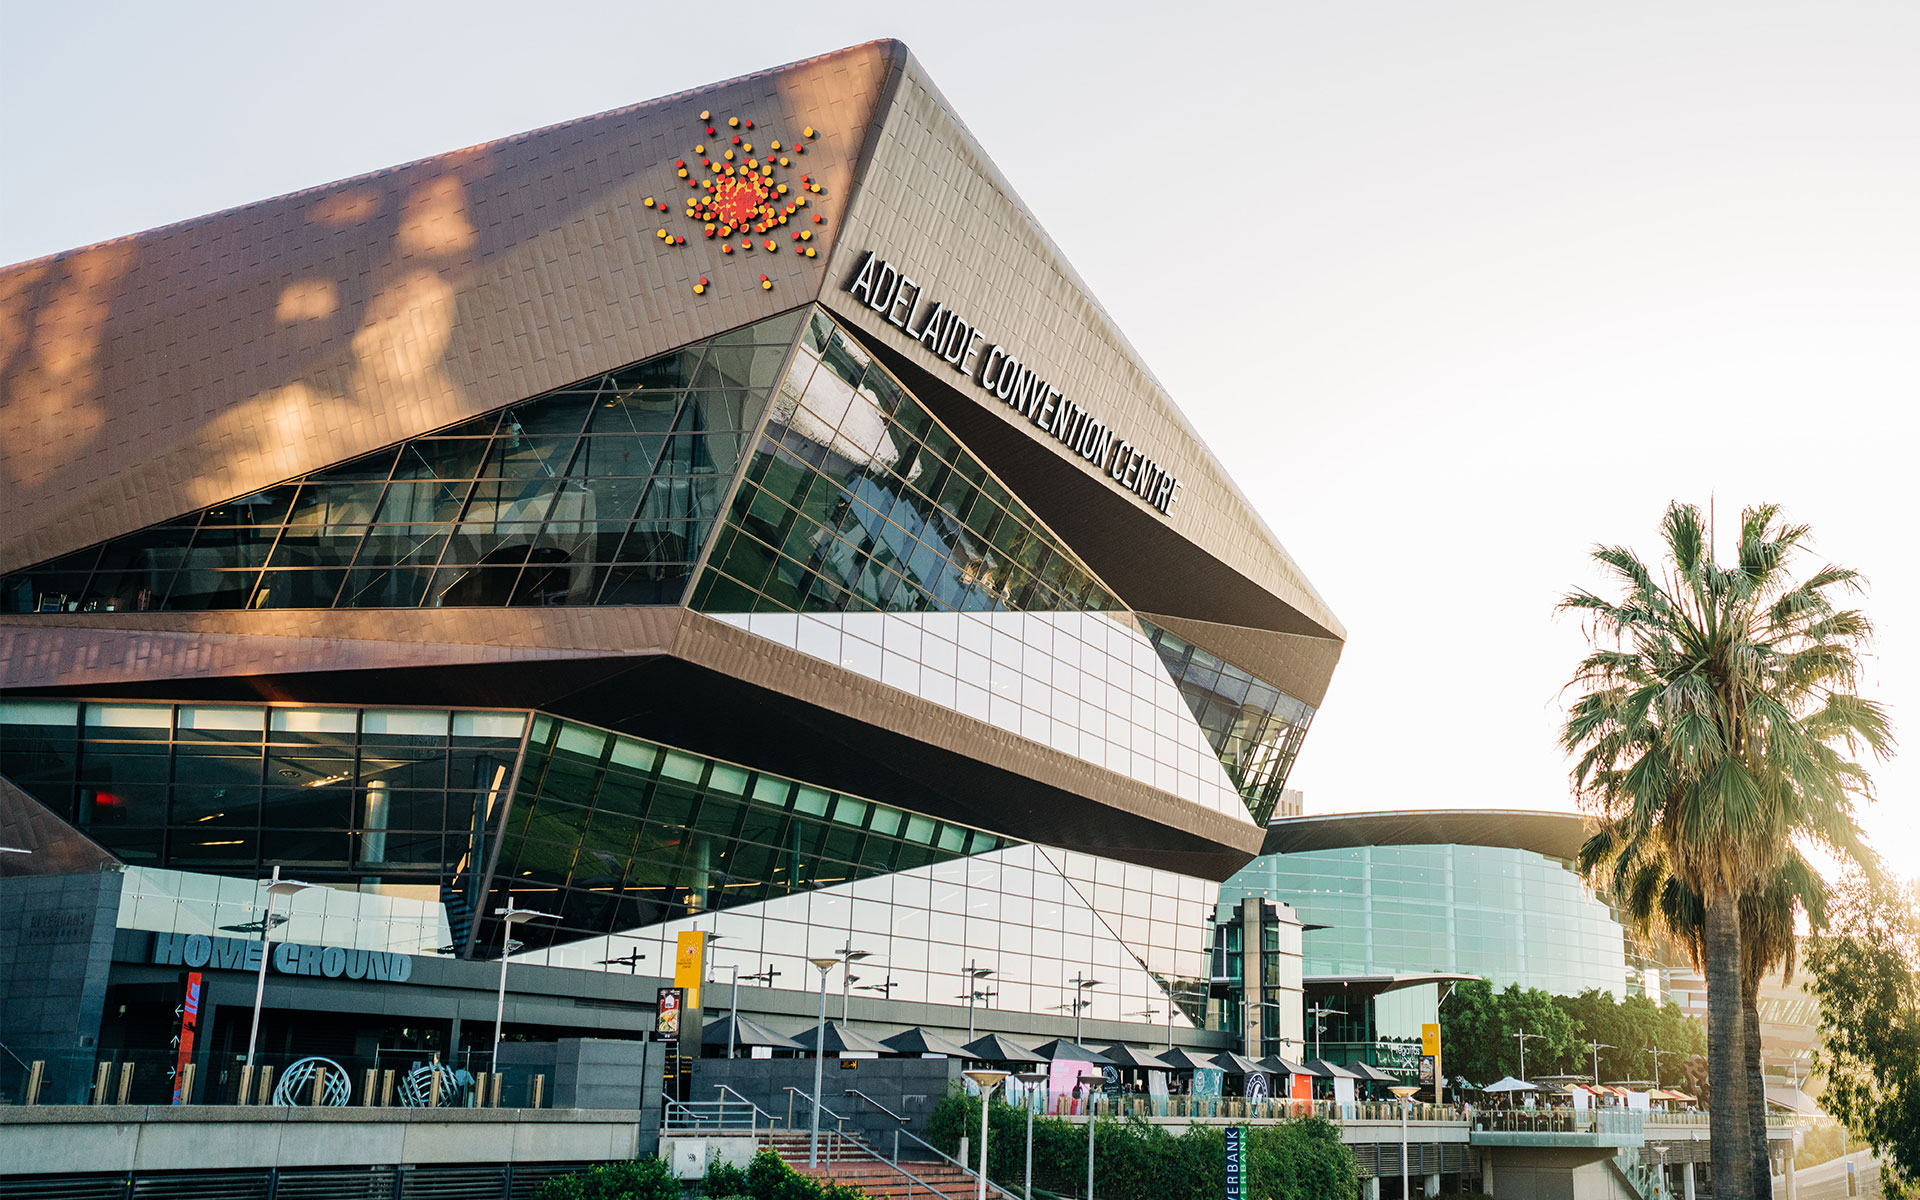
column 818, row 557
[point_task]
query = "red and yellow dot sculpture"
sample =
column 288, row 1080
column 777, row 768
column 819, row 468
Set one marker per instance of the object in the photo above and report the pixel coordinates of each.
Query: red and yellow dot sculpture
column 738, row 193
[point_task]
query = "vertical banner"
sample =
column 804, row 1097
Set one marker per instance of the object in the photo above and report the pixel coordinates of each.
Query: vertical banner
column 183, row 1034
column 690, row 965
column 689, row 975
column 1430, row 1048
column 1236, row 1162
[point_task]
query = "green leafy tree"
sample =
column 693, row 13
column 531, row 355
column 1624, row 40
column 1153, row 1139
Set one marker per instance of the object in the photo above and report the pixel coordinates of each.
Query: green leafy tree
column 1866, row 976
column 1628, row 1030
column 1714, row 722
column 1480, row 1028
column 1656, row 900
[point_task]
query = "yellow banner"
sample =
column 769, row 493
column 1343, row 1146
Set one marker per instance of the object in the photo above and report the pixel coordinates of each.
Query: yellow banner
column 1429, row 1038
column 690, row 965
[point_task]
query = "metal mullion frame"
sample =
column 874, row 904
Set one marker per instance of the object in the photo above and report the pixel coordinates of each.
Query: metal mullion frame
column 592, row 805
column 749, row 447
column 367, row 532
column 510, row 787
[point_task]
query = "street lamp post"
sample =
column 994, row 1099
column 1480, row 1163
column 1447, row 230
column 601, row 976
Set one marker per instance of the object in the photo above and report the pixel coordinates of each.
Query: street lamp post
column 1080, row 1000
column 1172, row 999
column 1598, row 1046
column 1032, row 1080
column 1090, row 1080
column 975, row 974
column 1319, row 1016
column 509, row 916
column 1656, row 1053
column 733, row 997
column 849, row 956
column 275, row 886
column 1406, row 1178
column 986, row 1081
column 825, row 964
column 1522, row 1037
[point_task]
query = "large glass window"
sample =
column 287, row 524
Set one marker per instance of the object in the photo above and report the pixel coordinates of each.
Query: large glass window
column 602, row 492
column 1253, row 726
column 865, row 534
column 611, row 832
column 368, row 797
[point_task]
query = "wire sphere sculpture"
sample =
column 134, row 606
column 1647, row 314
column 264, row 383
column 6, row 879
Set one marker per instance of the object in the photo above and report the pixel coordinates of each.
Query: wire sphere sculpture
column 416, row 1087
column 295, row 1088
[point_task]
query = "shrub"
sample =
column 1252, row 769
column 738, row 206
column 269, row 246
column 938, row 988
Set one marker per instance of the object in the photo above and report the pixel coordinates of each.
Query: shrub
column 1136, row 1160
column 644, row 1179
column 724, row 1179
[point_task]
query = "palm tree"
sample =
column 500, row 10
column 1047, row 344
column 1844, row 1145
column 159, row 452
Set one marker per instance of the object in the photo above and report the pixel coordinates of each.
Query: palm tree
column 1655, row 901
column 1716, row 714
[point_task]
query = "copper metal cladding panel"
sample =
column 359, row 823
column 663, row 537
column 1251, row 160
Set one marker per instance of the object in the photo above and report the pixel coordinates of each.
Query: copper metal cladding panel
column 1300, row 666
column 159, row 373
column 82, row 651
column 932, row 204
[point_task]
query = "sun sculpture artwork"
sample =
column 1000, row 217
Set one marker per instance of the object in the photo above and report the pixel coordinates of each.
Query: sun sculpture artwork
column 743, row 196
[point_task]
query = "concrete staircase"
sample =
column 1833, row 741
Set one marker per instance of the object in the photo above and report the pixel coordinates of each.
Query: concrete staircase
column 871, row 1173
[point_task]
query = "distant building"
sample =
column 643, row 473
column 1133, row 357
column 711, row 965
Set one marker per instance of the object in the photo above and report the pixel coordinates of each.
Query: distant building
column 1396, row 906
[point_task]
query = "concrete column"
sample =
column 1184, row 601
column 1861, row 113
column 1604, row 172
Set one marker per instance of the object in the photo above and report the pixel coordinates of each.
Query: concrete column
column 1686, row 1180
column 1432, row 1187
column 1486, row 1173
column 1793, row 1188
column 1373, row 1187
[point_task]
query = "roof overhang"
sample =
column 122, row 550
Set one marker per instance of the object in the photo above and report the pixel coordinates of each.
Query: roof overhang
column 1554, row 834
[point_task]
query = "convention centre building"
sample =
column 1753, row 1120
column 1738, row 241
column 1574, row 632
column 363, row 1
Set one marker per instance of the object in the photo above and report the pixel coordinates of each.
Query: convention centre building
column 727, row 514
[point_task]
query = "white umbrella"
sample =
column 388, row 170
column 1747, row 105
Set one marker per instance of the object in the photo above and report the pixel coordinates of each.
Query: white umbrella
column 1510, row 1084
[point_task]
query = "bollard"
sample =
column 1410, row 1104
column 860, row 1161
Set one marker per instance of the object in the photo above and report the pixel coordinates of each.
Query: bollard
column 386, row 1088
column 497, row 1079
column 477, row 1098
column 246, row 1086
column 318, row 1094
column 266, row 1084
column 100, row 1077
column 36, row 1075
column 366, row 1086
column 126, row 1083
column 433, row 1090
column 540, row 1095
column 186, row 1084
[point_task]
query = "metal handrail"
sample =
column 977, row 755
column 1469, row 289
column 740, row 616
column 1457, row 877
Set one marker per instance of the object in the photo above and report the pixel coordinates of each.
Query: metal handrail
column 721, row 1087
column 712, row 1114
column 912, row 1179
column 938, row 1152
column 808, row 1097
column 883, row 1108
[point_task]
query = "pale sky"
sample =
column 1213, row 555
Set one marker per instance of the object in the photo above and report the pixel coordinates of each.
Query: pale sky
column 1454, row 290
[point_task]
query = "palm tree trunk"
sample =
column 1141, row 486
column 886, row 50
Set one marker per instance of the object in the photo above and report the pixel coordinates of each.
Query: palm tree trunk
column 1728, row 1124
column 1756, row 1086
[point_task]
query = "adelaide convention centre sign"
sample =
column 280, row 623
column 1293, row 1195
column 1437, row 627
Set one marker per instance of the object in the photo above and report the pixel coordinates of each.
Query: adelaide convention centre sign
column 993, row 368
column 197, row 951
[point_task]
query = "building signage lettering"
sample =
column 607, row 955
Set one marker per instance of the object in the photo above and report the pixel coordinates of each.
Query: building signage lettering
column 902, row 303
column 1236, row 1162
column 197, row 950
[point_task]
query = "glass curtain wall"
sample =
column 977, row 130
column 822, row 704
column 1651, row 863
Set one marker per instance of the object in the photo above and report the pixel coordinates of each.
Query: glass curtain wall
column 367, row 797
column 602, row 492
column 1512, row 916
column 611, row 832
column 1254, row 727
column 866, row 535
